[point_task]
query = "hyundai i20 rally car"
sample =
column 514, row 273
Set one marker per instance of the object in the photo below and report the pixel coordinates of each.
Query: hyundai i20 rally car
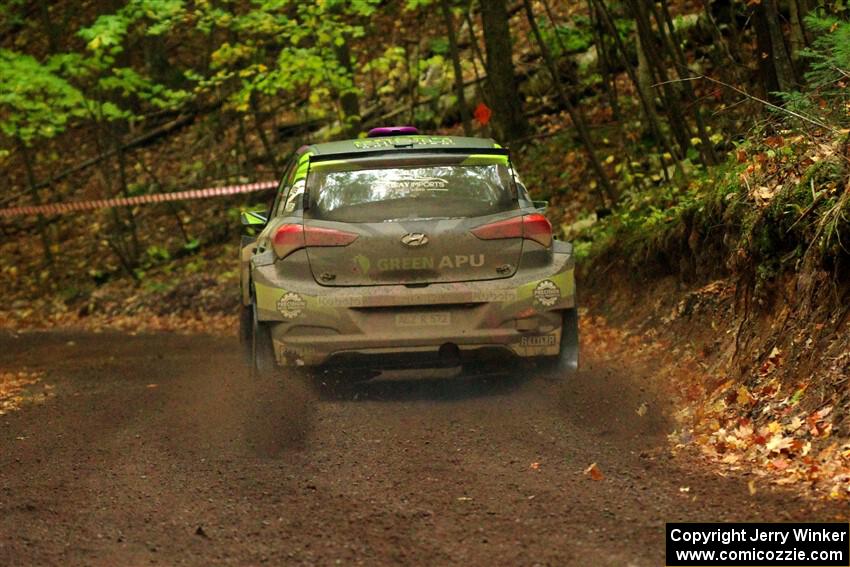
column 398, row 251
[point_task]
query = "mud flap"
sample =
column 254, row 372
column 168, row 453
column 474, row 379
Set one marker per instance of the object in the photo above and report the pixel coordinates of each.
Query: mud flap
column 262, row 349
column 246, row 333
column 568, row 358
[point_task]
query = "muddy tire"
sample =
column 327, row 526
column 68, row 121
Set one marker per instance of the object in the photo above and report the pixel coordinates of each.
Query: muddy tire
column 566, row 362
column 246, row 333
column 263, row 363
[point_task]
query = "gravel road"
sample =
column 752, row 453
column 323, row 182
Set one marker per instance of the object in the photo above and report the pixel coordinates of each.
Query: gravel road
column 157, row 449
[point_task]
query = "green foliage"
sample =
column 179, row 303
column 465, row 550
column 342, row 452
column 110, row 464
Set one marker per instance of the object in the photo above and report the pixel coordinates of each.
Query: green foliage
column 107, row 83
column 281, row 48
column 35, row 102
column 157, row 254
column 825, row 97
column 576, row 37
column 11, row 13
column 652, row 226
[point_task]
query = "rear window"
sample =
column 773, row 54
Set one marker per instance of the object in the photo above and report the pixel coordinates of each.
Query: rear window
column 385, row 194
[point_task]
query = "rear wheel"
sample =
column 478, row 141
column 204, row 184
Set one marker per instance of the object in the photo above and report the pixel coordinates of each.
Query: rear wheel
column 567, row 359
column 246, row 332
column 263, row 362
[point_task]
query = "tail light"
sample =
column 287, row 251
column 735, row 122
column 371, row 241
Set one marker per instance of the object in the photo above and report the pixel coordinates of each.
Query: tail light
column 291, row 237
column 534, row 227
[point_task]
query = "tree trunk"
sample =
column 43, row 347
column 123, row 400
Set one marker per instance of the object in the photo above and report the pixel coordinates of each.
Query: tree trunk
column 411, row 58
column 136, row 249
column 799, row 40
column 764, row 53
column 172, row 207
column 480, row 92
column 510, row 121
column 117, row 242
column 458, row 70
column 608, row 195
column 49, row 26
column 779, row 52
column 645, row 99
column 671, row 39
column 33, row 191
column 609, row 82
column 644, row 79
column 348, row 100
column 259, row 124
column 678, row 125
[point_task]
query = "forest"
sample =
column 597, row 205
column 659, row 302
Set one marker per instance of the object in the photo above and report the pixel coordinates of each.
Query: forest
column 695, row 152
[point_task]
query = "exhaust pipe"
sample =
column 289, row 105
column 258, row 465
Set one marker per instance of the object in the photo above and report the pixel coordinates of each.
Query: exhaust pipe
column 449, row 354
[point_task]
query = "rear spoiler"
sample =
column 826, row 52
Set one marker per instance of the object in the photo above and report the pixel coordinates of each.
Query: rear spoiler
column 408, row 152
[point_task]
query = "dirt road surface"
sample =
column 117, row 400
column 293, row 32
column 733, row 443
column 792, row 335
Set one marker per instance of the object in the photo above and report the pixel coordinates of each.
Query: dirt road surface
column 157, row 449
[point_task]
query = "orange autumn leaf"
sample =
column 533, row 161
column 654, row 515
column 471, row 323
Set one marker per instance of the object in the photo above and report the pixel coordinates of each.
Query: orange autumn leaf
column 594, row 472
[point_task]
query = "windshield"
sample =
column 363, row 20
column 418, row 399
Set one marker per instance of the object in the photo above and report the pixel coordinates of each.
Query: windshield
column 388, row 194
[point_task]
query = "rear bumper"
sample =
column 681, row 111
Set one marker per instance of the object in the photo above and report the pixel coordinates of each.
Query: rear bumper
column 390, row 326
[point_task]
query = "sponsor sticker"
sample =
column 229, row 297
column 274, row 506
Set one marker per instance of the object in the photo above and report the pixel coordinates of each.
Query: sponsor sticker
column 414, row 184
column 547, row 293
column 291, row 305
column 379, row 143
column 341, row 300
column 452, row 262
column 362, row 264
column 496, row 295
column 544, row 340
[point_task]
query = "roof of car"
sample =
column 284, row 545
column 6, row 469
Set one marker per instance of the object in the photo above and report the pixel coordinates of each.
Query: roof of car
column 422, row 142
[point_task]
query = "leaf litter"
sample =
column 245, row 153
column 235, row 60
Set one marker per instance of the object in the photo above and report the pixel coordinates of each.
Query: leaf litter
column 20, row 388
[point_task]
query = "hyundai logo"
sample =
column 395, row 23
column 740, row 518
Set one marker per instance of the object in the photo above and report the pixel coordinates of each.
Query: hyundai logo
column 414, row 239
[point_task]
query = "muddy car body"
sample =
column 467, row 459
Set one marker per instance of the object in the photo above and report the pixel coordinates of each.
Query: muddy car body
column 405, row 251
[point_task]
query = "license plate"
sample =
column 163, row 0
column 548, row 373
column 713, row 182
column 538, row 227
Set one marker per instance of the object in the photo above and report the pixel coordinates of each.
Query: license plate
column 439, row 318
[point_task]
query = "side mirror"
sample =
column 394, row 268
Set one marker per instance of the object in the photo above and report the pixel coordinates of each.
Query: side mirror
column 254, row 219
column 541, row 205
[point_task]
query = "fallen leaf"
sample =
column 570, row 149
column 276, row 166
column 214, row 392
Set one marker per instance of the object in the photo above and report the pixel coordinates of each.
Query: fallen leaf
column 594, row 472
column 744, row 432
column 778, row 443
column 743, row 398
column 795, row 424
column 641, row 411
column 534, row 466
column 823, row 412
column 774, row 141
column 751, row 486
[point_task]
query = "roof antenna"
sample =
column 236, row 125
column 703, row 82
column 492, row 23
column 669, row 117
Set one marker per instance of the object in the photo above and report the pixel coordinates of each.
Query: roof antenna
column 387, row 131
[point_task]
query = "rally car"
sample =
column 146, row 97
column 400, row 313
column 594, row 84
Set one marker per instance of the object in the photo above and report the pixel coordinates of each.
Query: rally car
column 404, row 250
